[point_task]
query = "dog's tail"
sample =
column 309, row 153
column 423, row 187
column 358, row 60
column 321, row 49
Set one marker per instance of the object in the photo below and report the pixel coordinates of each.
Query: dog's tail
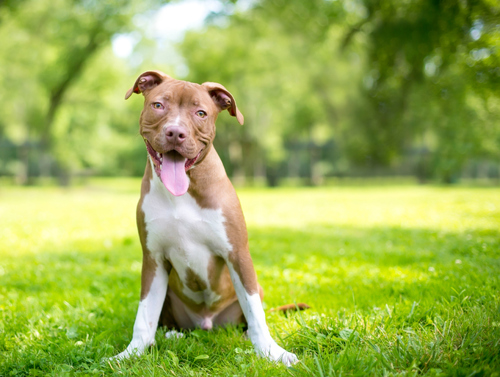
column 290, row 308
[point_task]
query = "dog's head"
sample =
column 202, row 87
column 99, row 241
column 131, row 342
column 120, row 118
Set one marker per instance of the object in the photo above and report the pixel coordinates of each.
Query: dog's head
column 178, row 123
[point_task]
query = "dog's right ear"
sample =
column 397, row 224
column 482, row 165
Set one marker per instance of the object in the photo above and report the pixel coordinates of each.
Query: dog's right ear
column 223, row 99
column 146, row 81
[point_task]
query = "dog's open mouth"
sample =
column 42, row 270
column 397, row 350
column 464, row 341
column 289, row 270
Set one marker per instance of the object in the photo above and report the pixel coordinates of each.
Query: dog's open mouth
column 171, row 168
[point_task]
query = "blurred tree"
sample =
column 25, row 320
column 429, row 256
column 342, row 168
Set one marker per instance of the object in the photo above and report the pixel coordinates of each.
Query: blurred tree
column 434, row 58
column 381, row 80
column 327, row 87
column 283, row 76
column 48, row 45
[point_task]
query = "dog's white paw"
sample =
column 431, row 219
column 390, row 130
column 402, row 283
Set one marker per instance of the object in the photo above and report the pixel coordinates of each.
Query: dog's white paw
column 133, row 349
column 173, row 334
column 275, row 353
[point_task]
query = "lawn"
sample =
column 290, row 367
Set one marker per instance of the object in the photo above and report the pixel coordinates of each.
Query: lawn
column 401, row 280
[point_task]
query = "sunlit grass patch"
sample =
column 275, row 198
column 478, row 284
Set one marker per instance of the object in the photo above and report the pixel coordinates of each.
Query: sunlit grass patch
column 401, row 280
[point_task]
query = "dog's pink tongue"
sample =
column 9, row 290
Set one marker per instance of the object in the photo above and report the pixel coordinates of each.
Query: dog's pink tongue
column 173, row 173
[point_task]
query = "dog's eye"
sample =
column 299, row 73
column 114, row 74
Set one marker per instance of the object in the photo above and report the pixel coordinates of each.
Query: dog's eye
column 157, row 106
column 201, row 113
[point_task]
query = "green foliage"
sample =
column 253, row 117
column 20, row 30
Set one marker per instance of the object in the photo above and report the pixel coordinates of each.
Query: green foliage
column 382, row 81
column 412, row 48
column 328, row 88
column 63, row 84
column 401, row 280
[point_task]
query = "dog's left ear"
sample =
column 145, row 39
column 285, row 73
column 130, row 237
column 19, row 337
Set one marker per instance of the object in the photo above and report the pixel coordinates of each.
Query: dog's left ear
column 146, row 81
column 223, row 99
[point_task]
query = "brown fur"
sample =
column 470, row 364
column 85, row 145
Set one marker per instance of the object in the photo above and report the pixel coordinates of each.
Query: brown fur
column 209, row 186
column 291, row 308
column 148, row 264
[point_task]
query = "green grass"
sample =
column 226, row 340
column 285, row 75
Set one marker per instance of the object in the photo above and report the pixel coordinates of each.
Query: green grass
column 401, row 281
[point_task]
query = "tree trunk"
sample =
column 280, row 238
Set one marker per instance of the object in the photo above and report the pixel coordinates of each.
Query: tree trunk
column 72, row 70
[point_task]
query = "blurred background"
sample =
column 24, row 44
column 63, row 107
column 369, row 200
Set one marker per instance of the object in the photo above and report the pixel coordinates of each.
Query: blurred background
column 330, row 90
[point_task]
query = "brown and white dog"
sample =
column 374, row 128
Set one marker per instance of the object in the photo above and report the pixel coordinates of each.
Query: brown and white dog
column 197, row 271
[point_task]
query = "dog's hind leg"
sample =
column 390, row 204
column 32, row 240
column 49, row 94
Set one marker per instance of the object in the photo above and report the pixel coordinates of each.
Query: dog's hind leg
column 167, row 320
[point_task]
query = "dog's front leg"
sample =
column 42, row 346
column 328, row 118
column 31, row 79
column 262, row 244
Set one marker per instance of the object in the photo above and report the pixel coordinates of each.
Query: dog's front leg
column 153, row 294
column 247, row 290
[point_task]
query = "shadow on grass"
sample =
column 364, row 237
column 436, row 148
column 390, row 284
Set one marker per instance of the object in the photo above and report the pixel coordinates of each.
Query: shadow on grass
column 62, row 311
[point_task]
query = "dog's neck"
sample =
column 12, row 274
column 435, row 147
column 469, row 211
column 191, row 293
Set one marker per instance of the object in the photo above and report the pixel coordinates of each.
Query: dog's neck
column 208, row 180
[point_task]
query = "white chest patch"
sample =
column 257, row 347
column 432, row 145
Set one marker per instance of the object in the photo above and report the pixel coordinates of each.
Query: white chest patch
column 179, row 230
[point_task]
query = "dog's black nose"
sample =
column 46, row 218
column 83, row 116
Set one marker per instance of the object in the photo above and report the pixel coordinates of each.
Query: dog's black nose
column 176, row 134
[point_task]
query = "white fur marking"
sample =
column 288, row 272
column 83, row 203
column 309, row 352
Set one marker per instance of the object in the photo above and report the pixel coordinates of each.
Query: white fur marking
column 175, row 122
column 258, row 332
column 184, row 233
column 174, row 334
column 147, row 317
